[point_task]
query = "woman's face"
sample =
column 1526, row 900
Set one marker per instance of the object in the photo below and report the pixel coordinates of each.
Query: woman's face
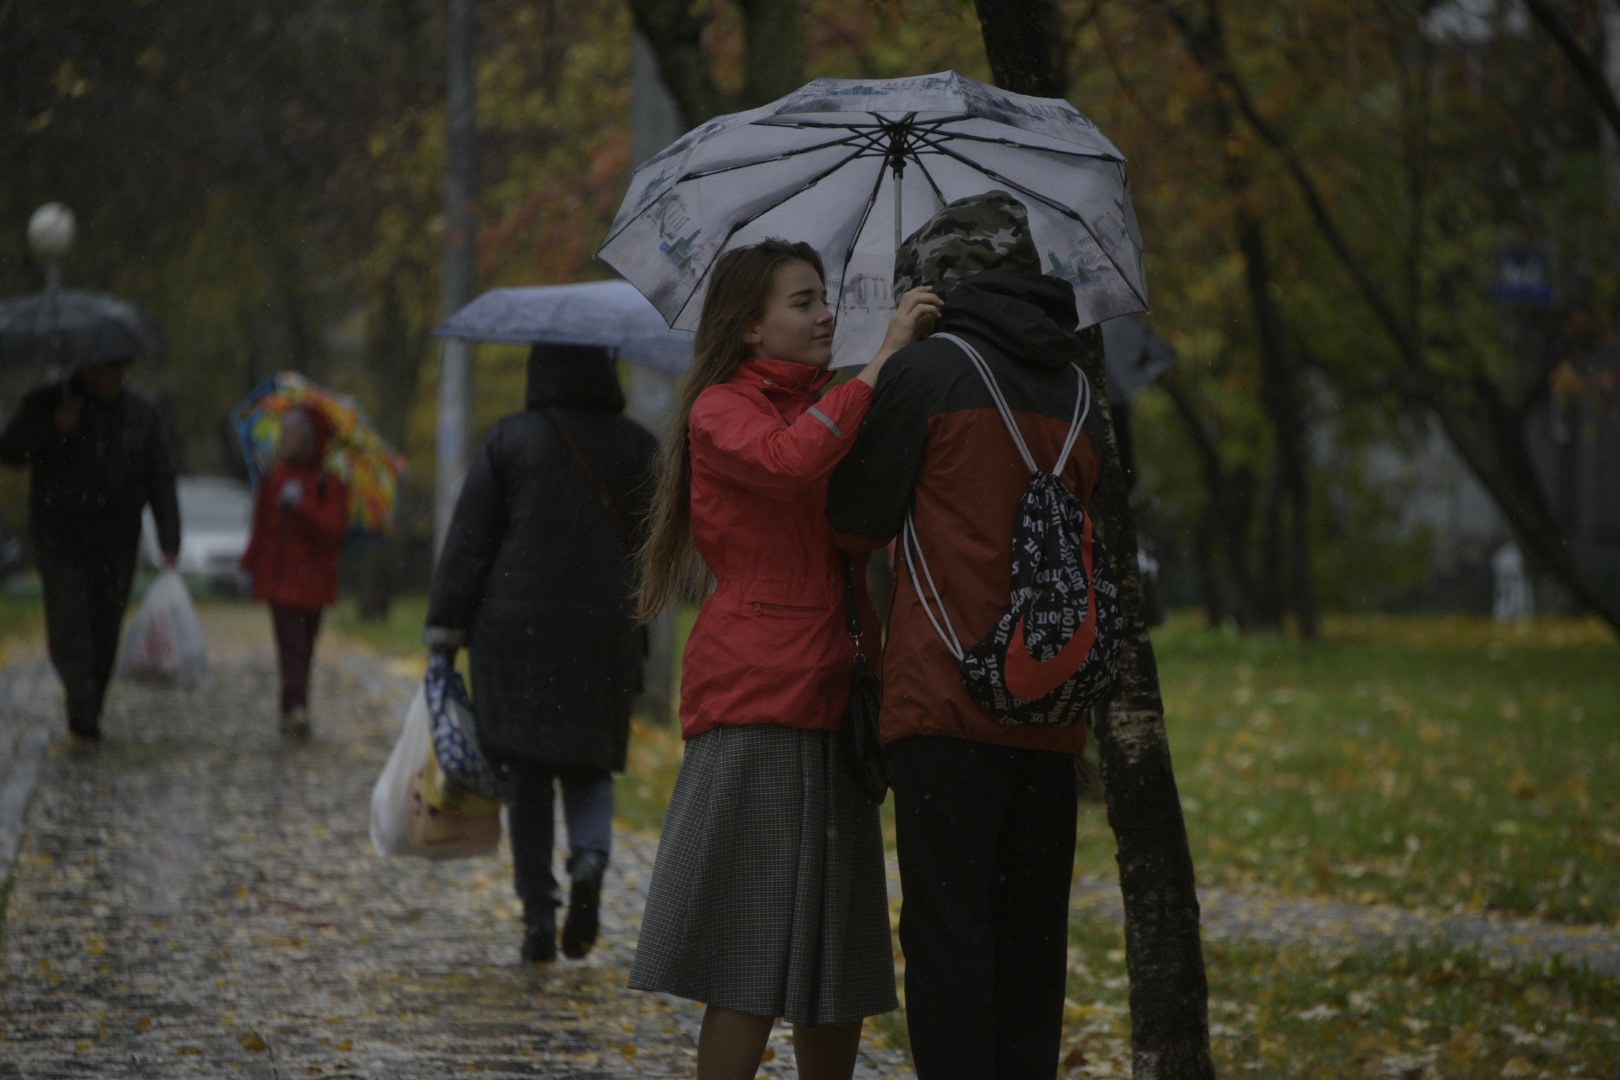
column 797, row 324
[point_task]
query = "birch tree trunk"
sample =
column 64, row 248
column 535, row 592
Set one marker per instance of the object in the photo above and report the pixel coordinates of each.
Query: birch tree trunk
column 1163, row 947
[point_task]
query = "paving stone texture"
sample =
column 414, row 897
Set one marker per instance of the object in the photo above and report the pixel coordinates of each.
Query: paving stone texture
column 199, row 897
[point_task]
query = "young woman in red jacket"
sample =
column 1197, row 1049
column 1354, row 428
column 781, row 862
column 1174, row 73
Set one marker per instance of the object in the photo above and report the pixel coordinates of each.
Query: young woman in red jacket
column 768, row 898
column 299, row 519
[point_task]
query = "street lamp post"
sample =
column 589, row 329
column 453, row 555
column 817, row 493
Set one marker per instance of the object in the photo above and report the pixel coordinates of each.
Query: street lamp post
column 50, row 234
column 460, row 276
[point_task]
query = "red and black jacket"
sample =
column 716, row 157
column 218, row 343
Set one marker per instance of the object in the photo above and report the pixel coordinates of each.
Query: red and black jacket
column 935, row 444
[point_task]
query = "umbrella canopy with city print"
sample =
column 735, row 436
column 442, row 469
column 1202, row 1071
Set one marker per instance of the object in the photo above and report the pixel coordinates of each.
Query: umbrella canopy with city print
column 851, row 167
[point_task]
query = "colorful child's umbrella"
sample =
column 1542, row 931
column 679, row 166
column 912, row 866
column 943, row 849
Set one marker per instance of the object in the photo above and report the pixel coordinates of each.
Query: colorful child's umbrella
column 357, row 454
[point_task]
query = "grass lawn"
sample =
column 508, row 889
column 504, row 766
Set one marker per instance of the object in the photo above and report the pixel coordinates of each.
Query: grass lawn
column 21, row 617
column 398, row 635
column 1418, row 1013
column 1442, row 762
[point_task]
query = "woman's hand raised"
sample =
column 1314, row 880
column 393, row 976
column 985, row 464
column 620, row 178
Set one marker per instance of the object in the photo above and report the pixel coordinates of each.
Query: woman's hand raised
column 913, row 320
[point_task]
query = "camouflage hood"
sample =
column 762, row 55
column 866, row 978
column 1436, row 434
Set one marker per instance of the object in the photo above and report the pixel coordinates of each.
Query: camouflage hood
column 981, row 232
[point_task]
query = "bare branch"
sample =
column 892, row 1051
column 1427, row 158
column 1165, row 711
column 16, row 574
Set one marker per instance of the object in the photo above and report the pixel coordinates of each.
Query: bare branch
column 1586, row 66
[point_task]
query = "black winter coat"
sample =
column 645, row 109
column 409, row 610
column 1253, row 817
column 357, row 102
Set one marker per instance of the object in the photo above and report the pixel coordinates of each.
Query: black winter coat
column 86, row 489
column 534, row 578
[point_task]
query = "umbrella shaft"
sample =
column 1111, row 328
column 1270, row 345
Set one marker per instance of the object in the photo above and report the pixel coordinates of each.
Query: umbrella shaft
column 897, row 234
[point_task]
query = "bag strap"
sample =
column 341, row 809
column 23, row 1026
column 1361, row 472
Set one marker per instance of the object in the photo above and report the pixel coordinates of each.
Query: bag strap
column 912, row 546
column 1082, row 406
column 852, row 609
column 605, row 497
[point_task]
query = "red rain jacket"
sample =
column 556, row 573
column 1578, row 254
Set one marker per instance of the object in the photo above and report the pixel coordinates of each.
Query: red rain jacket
column 293, row 550
column 771, row 644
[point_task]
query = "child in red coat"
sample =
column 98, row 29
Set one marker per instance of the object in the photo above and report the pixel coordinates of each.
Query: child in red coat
column 299, row 520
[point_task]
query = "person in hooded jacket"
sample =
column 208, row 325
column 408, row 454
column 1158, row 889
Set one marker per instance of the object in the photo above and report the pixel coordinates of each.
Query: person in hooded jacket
column 768, row 898
column 536, row 579
column 984, row 811
column 300, row 516
column 96, row 457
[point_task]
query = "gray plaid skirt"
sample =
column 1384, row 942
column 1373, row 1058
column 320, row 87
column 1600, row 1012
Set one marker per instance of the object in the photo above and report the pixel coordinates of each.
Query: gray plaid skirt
column 769, row 893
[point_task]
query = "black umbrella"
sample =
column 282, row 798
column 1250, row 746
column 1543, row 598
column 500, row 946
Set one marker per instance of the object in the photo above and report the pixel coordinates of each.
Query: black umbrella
column 72, row 327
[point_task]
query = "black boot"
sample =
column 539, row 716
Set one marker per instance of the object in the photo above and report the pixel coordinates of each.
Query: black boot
column 540, row 934
column 584, row 898
column 84, row 731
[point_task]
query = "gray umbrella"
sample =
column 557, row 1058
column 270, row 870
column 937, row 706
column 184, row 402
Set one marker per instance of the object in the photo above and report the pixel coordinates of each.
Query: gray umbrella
column 609, row 314
column 1136, row 356
column 850, row 166
column 72, row 327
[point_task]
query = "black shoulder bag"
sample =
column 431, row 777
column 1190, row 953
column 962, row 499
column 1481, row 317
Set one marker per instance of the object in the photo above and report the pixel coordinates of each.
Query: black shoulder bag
column 863, row 747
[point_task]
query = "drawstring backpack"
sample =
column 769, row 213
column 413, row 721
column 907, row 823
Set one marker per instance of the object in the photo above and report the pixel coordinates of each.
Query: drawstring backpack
column 1053, row 655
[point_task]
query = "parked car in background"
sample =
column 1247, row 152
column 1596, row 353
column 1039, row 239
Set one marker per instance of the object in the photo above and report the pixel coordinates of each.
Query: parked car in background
column 216, row 515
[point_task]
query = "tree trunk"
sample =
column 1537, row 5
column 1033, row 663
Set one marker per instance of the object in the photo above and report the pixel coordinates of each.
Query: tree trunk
column 393, row 355
column 1483, row 427
column 1018, row 40
column 675, row 35
column 773, row 56
column 1288, row 563
column 1223, row 543
column 1164, row 951
column 1588, row 69
column 1489, row 436
column 459, row 281
column 774, row 64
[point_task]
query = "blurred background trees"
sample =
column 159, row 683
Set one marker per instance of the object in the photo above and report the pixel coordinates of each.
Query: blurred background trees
column 1380, row 236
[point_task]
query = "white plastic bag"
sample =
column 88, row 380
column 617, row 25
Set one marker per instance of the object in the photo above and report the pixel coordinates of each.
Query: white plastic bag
column 165, row 640
column 403, row 822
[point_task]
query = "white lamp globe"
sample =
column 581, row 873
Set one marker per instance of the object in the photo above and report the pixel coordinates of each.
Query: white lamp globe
column 50, row 230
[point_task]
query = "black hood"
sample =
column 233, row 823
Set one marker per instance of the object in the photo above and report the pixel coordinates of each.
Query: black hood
column 577, row 376
column 1026, row 316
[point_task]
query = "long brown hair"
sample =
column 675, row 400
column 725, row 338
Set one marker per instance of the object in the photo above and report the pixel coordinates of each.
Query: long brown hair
column 671, row 567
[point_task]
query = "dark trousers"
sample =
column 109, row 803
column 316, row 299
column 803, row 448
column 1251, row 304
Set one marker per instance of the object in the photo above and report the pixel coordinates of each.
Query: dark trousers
column 986, row 846
column 85, row 597
column 295, row 649
column 587, row 808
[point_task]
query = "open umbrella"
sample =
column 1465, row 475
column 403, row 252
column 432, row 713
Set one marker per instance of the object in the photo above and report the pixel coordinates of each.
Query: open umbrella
column 609, row 314
column 72, row 327
column 357, row 454
column 1136, row 356
column 851, row 166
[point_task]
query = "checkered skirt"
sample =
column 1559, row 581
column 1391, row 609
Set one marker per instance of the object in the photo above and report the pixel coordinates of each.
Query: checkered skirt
column 769, row 893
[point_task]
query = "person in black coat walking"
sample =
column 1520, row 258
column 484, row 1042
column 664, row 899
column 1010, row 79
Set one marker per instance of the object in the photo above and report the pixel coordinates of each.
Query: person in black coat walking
column 536, row 580
column 96, row 457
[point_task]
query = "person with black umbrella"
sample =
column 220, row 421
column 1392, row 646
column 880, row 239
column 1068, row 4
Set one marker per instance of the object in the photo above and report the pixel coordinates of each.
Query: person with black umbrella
column 96, row 457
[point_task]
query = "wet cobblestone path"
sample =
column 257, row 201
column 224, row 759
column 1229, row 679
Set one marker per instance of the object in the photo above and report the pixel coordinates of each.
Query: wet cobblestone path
column 198, row 897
